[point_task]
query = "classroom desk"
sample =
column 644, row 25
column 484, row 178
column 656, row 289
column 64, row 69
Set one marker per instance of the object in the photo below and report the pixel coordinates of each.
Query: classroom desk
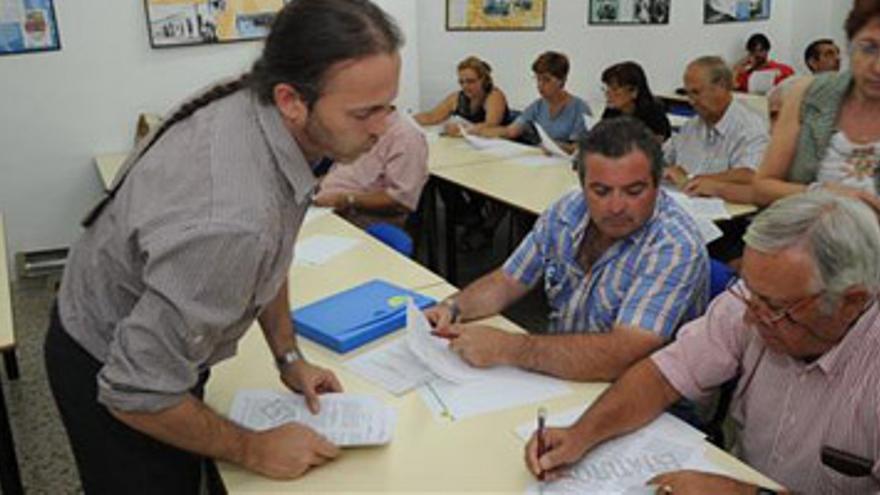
column 475, row 455
column 449, row 152
column 10, row 479
column 7, row 329
column 370, row 259
column 107, row 166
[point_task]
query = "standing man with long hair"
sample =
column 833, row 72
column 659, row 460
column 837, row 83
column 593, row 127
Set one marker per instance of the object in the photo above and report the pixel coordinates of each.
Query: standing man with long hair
column 194, row 242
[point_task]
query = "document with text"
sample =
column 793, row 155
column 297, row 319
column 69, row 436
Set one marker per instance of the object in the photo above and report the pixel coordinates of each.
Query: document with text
column 623, row 465
column 451, row 388
column 347, row 420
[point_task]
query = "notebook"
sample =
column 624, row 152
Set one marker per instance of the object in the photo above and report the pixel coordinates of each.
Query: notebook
column 350, row 319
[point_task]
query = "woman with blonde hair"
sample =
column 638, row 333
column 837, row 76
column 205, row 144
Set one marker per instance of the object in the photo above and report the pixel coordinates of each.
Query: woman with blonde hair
column 478, row 101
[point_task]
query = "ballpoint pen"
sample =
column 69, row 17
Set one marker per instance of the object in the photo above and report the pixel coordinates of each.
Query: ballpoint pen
column 542, row 447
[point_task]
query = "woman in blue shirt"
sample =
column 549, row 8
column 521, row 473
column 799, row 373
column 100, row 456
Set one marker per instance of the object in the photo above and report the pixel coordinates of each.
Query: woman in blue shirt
column 557, row 111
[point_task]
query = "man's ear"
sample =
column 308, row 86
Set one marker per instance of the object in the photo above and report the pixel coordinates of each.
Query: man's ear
column 290, row 103
column 854, row 300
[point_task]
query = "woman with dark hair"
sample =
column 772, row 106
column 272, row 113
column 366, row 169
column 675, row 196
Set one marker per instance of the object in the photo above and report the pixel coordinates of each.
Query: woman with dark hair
column 479, row 101
column 193, row 244
column 827, row 135
column 627, row 93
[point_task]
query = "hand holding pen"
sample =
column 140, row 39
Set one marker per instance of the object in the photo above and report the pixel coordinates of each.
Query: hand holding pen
column 550, row 452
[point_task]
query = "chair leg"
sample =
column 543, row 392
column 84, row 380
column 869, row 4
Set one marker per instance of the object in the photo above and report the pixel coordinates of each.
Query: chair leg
column 10, row 478
column 11, row 362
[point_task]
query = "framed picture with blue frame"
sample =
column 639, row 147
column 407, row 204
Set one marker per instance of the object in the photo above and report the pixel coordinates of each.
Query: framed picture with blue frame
column 721, row 11
column 28, row 26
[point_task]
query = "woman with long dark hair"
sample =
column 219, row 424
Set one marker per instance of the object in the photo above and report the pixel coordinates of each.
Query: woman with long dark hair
column 627, row 93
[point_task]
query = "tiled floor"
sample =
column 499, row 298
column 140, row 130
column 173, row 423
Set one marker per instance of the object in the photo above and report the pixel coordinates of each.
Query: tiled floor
column 43, row 451
column 44, row 455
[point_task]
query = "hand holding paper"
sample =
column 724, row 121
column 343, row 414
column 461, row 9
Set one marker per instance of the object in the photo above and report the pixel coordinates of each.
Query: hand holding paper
column 346, row 420
column 549, row 145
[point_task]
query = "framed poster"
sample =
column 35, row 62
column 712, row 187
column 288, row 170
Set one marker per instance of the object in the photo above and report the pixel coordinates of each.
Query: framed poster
column 495, row 15
column 28, row 26
column 719, row 11
column 196, row 22
column 616, row 12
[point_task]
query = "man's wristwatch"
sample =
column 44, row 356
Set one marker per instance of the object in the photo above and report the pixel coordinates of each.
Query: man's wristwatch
column 288, row 358
column 454, row 310
column 350, row 201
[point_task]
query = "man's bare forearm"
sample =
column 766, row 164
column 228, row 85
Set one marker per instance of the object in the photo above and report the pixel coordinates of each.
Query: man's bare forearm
column 489, row 295
column 587, row 357
column 192, row 426
column 275, row 322
column 640, row 395
column 739, row 175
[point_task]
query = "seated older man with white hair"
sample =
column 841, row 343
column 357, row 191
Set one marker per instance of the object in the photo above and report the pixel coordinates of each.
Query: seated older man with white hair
column 802, row 331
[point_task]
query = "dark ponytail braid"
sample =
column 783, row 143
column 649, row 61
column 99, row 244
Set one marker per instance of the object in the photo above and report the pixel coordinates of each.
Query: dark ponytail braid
column 184, row 111
column 190, row 107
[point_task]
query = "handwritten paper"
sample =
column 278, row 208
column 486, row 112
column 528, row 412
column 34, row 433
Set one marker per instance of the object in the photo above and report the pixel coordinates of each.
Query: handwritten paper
column 347, row 420
column 623, row 465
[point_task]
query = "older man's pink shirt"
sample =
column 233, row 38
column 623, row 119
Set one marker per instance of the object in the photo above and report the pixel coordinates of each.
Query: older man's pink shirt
column 397, row 164
column 785, row 410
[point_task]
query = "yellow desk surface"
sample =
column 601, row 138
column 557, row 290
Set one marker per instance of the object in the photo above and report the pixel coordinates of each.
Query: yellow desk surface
column 7, row 333
column 368, row 260
column 447, row 152
column 479, row 455
column 532, row 189
column 108, row 165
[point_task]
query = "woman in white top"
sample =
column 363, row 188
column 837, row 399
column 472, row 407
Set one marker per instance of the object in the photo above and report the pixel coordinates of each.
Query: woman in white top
column 836, row 120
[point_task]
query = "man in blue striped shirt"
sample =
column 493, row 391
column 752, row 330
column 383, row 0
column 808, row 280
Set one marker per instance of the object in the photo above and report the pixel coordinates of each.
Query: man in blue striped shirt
column 623, row 267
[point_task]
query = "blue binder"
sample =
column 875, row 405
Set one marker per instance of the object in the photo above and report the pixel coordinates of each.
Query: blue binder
column 351, row 318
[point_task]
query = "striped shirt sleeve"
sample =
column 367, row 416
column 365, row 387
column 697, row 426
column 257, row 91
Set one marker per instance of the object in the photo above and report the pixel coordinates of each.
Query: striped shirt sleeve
column 669, row 276
column 707, row 352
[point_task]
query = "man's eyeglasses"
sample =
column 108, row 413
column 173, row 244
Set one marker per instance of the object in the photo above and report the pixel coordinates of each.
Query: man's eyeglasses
column 762, row 309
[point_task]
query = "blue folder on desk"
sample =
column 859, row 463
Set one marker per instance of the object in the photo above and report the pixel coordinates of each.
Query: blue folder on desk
column 351, row 318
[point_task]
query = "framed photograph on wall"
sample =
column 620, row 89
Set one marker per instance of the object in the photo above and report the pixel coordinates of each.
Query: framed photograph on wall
column 495, row 15
column 196, row 22
column 720, row 11
column 616, row 12
column 28, row 26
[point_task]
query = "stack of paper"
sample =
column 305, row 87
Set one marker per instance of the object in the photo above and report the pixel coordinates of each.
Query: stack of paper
column 623, row 465
column 450, row 387
column 346, row 420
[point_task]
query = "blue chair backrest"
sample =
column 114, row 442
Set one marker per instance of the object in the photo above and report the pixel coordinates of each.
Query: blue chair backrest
column 719, row 276
column 392, row 236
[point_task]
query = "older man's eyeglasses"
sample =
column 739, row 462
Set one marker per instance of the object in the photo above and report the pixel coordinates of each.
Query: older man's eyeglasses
column 765, row 311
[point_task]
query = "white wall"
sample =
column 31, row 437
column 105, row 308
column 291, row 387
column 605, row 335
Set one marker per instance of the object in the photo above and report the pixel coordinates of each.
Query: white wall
column 662, row 50
column 59, row 109
column 817, row 19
